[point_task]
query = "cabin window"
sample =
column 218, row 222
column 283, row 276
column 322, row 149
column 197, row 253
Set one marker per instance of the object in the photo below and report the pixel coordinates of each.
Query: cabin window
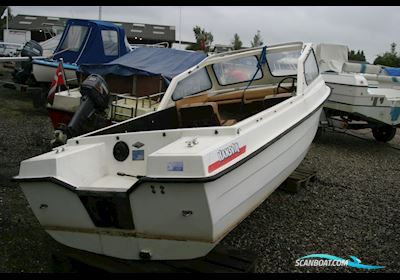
column 195, row 83
column 311, row 70
column 283, row 63
column 110, row 42
column 237, row 70
column 75, row 37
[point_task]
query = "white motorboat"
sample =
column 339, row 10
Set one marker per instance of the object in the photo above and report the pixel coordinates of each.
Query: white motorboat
column 362, row 96
column 43, row 71
column 50, row 45
column 172, row 183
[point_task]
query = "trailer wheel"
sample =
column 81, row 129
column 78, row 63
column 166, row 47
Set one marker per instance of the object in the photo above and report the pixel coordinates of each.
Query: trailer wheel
column 384, row 133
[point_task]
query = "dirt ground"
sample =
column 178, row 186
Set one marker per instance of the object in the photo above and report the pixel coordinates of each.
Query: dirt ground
column 352, row 209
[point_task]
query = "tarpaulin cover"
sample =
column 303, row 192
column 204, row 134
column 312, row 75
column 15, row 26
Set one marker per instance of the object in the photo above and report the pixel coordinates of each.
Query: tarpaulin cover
column 391, row 71
column 331, row 57
column 147, row 61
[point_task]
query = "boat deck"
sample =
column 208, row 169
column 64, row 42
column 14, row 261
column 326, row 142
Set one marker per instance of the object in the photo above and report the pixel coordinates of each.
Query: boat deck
column 114, row 183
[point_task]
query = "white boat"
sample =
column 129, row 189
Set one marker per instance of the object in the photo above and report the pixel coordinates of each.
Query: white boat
column 43, row 71
column 172, row 183
column 362, row 96
column 50, row 45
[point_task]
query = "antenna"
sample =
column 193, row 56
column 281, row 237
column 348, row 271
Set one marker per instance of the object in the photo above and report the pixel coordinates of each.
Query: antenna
column 180, row 26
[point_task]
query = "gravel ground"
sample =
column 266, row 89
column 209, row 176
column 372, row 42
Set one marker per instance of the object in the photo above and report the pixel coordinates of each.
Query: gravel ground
column 350, row 210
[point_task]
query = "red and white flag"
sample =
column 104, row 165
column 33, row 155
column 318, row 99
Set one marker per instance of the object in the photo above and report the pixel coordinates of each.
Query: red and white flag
column 59, row 80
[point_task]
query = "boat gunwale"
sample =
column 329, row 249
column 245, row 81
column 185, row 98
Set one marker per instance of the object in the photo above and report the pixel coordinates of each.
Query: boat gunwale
column 350, row 85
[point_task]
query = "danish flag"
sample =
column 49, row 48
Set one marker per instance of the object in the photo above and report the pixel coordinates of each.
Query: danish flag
column 59, row 80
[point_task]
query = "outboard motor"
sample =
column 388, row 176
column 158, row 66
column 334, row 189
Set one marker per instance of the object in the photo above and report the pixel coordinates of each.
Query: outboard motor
column 94, row 102
column 30, row 49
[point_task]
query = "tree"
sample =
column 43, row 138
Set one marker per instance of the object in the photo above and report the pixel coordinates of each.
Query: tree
column 236, row 42
column 389, row 58
column 203, row 39
column 359, row 56
column 257, row 41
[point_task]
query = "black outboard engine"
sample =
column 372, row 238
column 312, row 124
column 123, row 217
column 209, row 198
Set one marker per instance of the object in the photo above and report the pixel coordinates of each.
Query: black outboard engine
column 31, row 48
column 94, row 102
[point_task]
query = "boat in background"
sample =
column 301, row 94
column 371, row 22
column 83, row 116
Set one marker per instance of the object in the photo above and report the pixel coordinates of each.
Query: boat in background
column 49, row 46
column 136, row 81
column 83, row 41
column 362, row 95
column 171, row 184
column 10, row 49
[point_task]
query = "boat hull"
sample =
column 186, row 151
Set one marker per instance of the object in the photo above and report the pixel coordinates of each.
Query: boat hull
column 161, row 229
column 44, row 73
column 358, row 99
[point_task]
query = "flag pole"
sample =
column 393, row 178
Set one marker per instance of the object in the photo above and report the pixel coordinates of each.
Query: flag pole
column 7, row 18
column 180, row 26
column 64, row 75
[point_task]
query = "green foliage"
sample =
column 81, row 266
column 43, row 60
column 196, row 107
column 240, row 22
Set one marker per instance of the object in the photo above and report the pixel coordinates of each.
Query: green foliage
column 236, row 42
column 203, row 40
column 389, row 58
column 358, row 56
column 257, row 41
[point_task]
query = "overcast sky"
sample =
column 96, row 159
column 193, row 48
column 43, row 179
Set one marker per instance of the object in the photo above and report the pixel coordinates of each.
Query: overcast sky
column 371, row 29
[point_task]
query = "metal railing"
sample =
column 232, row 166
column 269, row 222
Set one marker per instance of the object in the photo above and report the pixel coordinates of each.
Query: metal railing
column 152, row 99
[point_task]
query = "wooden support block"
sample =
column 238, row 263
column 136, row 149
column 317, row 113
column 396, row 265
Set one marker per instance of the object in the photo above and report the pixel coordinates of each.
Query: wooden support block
column 298, row 179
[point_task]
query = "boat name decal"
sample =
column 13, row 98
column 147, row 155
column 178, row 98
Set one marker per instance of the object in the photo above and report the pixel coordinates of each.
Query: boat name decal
column 228, row 151
column 227, row 154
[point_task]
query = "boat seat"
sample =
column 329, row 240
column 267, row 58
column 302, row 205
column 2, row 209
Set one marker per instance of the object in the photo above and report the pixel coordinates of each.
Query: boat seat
column 262, row 94
column 202, row 110
column 201, row 115
column 227, row 98
column 250, row 95
column 192, row 99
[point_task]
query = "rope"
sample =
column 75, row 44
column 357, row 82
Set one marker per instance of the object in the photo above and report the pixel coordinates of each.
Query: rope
column 260, row 63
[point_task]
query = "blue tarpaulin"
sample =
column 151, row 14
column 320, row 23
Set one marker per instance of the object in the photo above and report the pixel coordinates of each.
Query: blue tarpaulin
column 147, row 61
column 391, row 71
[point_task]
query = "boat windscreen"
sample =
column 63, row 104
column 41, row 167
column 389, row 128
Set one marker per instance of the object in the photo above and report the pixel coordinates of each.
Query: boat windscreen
column 75, row 37
column 110, row 42
column 237, row 70
column 195, row 83
column 283, row 63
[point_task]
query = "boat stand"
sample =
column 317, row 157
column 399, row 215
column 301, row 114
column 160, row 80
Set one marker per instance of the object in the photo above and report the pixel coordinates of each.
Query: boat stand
column 298, row 179
column 220, row 260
